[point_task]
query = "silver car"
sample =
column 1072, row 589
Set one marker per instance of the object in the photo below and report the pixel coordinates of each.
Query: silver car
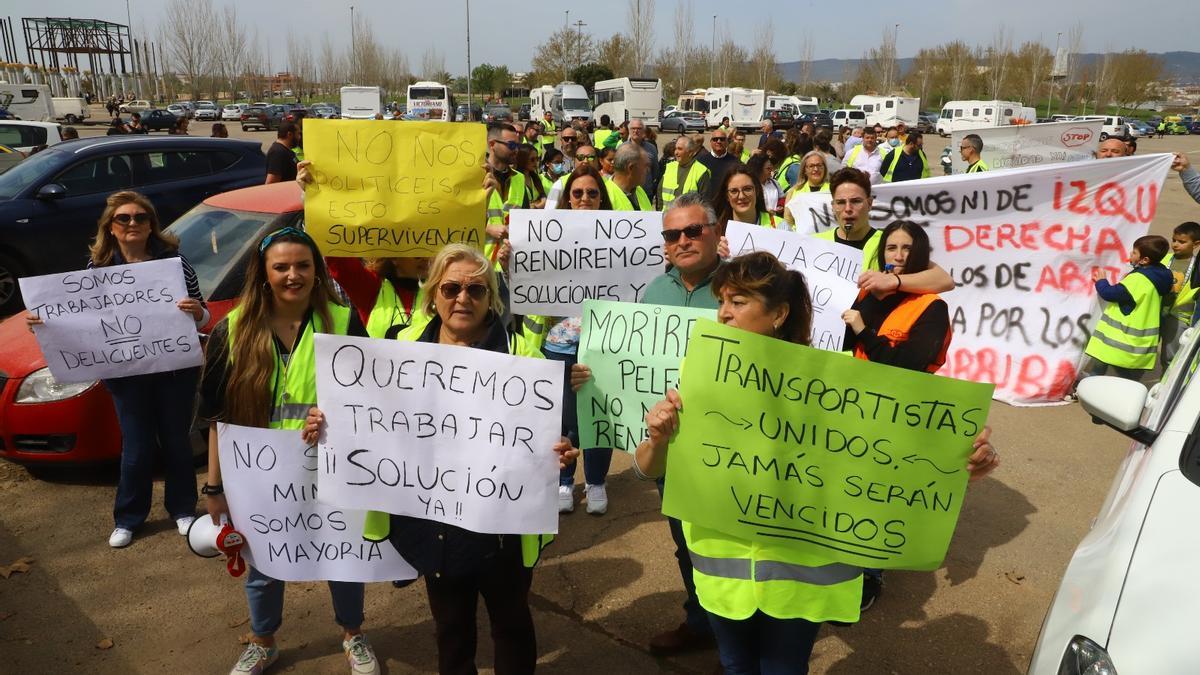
column 683, row 121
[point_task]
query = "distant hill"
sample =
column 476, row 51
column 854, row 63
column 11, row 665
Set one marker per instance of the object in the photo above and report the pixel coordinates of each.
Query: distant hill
column 1181, row 66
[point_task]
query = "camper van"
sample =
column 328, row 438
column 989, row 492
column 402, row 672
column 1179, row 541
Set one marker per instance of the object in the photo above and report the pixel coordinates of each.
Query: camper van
column 570, row 102
column 797, row 105
column 361, row 103
column 539, row 102
column 888, row 111
column 965, row 115
column 743, row 107
column 628, row 98
column 30, row 102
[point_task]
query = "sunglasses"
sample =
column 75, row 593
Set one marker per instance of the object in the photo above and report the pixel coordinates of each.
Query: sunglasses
column 127, row 218
column 452, row 289
column 718, row 139
column 511, row 145
column 578, row 193
column 271, row 238
column 586, row 158
column 692, row 231
column 570, row 139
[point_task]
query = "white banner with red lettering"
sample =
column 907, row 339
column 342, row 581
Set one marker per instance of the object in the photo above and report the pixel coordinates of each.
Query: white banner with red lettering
column 1021, row 245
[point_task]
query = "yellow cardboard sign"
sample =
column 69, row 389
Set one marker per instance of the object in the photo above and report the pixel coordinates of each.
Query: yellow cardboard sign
column 384, row 188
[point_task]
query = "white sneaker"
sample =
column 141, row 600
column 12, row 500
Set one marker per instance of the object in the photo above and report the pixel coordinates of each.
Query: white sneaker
column 120, row 538
column 597, row 500
column 360, row 655
column 566, row 498
column 255, row 660
column 182, row 524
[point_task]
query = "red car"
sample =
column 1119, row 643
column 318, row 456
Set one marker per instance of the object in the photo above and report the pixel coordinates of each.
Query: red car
column 44, row 422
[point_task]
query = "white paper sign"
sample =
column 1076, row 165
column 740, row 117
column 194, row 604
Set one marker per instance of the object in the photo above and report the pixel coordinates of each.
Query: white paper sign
column 812, row 211
column 113, row 321
column 830, row 269
column 451, row 434
column 561, row 258
column 1027, row 145
column 1021, row 245
column 270, row 479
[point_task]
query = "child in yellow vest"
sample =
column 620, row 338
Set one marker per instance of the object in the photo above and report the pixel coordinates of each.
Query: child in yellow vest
column 1177, row 316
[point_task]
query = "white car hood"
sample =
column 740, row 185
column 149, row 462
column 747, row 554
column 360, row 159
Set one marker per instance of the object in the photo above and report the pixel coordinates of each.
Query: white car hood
column 1154, row 630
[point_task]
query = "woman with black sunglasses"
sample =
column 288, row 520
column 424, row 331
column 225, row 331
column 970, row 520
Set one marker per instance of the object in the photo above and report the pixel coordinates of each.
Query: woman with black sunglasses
column 262, row 372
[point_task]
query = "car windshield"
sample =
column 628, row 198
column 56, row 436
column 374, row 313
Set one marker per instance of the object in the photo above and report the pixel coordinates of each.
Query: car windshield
column 427, row 93
column 28, row 172
column 214, row 239
column 575, row 104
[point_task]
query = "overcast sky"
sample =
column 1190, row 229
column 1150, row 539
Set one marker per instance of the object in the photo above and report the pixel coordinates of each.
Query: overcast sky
column 507, row 32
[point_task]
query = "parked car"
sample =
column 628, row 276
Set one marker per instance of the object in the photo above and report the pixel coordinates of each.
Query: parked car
column 179, row 110
column 497, row 113
column 1177, row 129
column 49, row 203
column 926, row 124
column 1112, row 126
column 140, row 105
column 818, row 119
column 207, row 111
column 293, row 112
column 159, row 120
column 460, row 113
column 264, row 117
column 1194, row 128
column 780, row 119
column 682, row 121
column 44, row 422
column 9, row 157
column 1127, row 601
column 233, row 112
column 523, row 112
column 1138, row 128
column 325, row 111
column 24, row 135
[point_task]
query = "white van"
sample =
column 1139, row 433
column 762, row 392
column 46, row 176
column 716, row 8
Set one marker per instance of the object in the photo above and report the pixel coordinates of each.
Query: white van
column 539, row 102
column 743, row 107
column 361, row 103
column 965, row 115
column 30, row 102
column 1111, row 125
column 627, row 98
column 848, row 117
column 888, row 111
column 570, row 102
column 70, row 109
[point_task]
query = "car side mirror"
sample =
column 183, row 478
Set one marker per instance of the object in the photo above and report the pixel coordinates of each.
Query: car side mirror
column 52, row 191
column 1118, row 403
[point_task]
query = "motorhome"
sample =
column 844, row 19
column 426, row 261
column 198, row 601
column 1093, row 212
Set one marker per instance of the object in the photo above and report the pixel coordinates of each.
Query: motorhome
column 797, row 105
column 628, row 98
column 361, row 103
column 539, row 102
column 30, row 102
column 964, row 115
column 570, row 102
column 888, row 111
column 743, row 107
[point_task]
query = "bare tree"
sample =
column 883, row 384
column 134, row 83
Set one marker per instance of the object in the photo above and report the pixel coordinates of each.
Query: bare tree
column 681, row 52
column 561, row 53
column 186, row 30
column 300, row 63
column 433, row 63
column 331, row 65
column 1135, row 78
column 1074, row 65
column 1102, row 81
column 887, row 60
column 960, row 61
column 763, row 56
column 230, row 55
column 639, row 19
column 998, row 53
column 806, row 59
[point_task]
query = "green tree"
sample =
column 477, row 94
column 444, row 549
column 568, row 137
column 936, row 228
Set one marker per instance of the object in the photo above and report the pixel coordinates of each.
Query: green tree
column 483, row 79
column 588, row 74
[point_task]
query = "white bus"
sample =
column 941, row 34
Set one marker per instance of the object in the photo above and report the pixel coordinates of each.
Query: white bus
column 431, row 100
column 361, row 103
column 964, row 115
column 628, row 98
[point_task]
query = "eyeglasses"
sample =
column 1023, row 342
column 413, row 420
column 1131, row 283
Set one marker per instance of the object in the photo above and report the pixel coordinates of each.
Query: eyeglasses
column 692, row 231
column 586, row 158
column 578, row 193
column 124, row 219
column 841, row 203
column 719, row 139
column 818, row 167
column 747, row 191
column 450, row 290
column 282, row 232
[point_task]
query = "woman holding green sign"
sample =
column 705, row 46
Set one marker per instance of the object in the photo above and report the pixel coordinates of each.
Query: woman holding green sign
column 765, row 603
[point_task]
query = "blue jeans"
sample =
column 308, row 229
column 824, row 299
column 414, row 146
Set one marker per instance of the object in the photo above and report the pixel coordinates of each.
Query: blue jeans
column 595, row 460
column 155, row 415
column 764, row 645
column 695, row 615
column 265, row 597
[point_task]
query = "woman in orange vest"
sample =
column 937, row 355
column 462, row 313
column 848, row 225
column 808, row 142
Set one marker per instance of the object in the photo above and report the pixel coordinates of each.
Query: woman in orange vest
column 891, row 326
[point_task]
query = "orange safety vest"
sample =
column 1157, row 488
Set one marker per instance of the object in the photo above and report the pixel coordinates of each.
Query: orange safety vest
column 900, row 321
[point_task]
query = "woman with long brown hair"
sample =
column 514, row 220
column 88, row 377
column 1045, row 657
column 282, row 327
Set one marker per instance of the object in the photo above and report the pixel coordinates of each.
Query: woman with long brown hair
column 154, row 411
column 740, row 198
column 261, row 372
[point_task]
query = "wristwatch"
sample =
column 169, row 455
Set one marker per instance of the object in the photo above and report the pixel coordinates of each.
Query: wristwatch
column 212, row 490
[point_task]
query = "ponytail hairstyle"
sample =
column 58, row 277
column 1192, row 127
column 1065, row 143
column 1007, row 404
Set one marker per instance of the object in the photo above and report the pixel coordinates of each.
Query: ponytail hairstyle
column 251, row 381
column 918, row 255
column 762, row 275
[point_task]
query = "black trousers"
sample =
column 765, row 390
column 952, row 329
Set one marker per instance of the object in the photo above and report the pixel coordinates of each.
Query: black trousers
column 504, row 585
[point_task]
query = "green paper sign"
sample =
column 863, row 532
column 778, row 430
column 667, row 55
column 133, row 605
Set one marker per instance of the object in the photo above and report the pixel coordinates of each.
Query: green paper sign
column 842, row 459
column 634, row 351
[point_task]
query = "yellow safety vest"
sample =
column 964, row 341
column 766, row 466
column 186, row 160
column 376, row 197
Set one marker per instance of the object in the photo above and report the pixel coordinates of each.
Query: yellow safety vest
column 1184, row 304
column 498, row 208
column 766, row 219
column 745, row 156
column 870, row 249
column 735, row 578
column 389, row 311
column 781, row 173
column 895, row 154
column 977, row 167
column 378, row 525
column 601, row 135
column 549, row 133
column 670, row 184
column 298, row 391
column 1129, row 341
column 807, row 187
column 620, row 202
column 853, row 156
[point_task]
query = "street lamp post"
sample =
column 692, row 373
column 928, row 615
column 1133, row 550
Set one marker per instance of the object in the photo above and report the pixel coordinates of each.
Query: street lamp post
column 895, row 60
column 1053, row 64
column 449, row 114
column 712, row 58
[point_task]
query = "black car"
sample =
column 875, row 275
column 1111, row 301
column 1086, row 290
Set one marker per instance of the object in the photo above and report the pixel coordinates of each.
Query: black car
column 158, row 120
column 818, row 120
column 49, row 202
column 265, row 117
column 780, row 119
column 523, row 112
column 294, row 113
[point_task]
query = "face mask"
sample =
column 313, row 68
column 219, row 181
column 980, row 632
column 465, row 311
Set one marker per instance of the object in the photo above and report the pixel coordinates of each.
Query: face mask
column 557, row 167
column 893, row 142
